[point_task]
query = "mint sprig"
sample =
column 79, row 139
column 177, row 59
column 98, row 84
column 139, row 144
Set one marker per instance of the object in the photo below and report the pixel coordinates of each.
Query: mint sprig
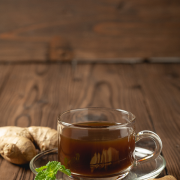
column 49, row 171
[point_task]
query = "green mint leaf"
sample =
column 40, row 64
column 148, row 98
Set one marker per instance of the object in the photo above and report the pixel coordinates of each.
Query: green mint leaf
column 50, row 176
column 64, row 170
column 45, row 175
column 49, row 171
column 53, row 166
column 41, row 168
column 40, row 176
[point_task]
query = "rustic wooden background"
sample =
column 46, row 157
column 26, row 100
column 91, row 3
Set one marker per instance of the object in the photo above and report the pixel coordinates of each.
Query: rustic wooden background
column 90, row 30
column 52, row 56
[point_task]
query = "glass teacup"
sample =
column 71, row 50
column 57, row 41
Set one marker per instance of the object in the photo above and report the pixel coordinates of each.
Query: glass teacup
column 99, row 143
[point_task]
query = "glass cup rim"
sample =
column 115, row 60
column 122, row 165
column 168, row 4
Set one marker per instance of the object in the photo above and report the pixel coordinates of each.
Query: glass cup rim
column 129, row 121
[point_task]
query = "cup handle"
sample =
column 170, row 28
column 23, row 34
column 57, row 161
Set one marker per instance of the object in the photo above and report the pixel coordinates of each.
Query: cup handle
column 157, row 141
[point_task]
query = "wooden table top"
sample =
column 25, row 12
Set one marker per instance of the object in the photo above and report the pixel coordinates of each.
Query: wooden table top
column 34, row 94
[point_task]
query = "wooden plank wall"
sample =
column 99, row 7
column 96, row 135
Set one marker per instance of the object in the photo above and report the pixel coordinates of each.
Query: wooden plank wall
column 90, row 30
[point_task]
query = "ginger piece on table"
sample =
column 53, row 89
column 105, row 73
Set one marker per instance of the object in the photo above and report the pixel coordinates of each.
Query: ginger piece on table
column 44, row 137
column 17, row 149
column 168, row 177
column 18, row 145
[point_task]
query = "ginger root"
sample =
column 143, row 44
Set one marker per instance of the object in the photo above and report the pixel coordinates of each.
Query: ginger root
column 44, row 137
column 168, row 177
column 18, row 145
column 17, row 149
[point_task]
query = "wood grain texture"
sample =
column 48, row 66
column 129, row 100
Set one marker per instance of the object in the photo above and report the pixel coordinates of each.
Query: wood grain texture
column 95, row 30
column 34, row 94
column 161, row 87
column 30, row 90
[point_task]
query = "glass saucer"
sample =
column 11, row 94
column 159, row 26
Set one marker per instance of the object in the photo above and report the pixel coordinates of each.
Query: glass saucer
column 143, row 171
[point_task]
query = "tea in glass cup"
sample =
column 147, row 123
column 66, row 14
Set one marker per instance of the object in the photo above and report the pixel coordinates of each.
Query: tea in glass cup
column 100, row 142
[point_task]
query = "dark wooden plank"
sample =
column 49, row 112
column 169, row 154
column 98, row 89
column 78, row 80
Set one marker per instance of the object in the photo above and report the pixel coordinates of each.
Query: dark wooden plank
column 8, row 170
column 5, row 71
column 95, row 30
column 33, row 95
column 161, row 87
column 13, row 50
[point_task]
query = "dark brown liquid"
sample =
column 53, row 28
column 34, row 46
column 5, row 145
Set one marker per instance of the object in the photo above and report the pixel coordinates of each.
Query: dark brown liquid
column 96, row 152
